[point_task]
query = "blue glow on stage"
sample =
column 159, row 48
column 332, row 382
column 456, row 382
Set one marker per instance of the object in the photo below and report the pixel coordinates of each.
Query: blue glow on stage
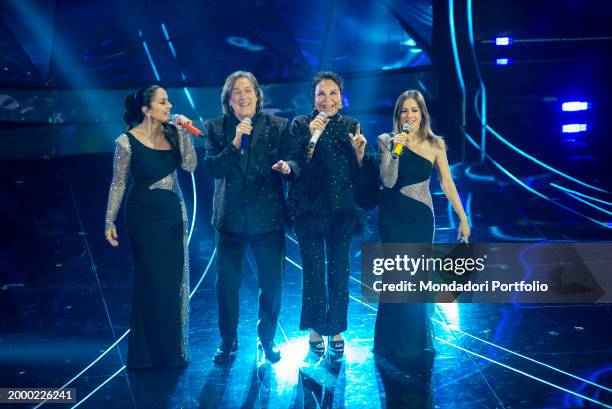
column 503, row 61
column 595, row 199
column 244, row 43
column 523, row 373
column 541, row 163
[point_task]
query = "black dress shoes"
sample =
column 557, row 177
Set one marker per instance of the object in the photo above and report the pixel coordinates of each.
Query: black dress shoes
column 226, row 351
column 270, row 350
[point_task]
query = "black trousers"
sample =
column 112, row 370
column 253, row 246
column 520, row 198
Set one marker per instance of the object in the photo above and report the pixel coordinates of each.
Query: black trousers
column 269, row 250
column 325, row 302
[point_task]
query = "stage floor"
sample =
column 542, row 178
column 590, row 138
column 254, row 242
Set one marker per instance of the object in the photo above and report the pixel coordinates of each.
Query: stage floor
column 65, row 301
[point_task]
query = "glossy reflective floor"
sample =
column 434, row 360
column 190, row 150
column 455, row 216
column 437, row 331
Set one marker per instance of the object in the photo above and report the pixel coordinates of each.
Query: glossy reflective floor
column 65, row 299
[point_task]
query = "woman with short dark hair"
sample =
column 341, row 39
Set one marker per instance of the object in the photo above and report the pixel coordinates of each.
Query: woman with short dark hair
column 329, row 166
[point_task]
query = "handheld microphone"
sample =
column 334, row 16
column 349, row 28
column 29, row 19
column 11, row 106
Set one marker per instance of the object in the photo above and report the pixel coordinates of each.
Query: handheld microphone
column 315, row 136
column 188, row 127
column 244, row 140
column 397, row 150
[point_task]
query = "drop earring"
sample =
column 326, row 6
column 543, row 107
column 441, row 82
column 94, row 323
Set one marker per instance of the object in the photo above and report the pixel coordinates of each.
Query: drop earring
column 149, row 125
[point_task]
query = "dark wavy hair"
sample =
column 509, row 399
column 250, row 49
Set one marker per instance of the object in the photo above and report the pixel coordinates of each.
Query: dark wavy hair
column 133, row 114
column 326, row 75
column 226, row 93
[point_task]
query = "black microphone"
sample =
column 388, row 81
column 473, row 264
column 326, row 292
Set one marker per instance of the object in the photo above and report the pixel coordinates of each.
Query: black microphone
column 315, row 136
column 245, row 137
column 397, row 149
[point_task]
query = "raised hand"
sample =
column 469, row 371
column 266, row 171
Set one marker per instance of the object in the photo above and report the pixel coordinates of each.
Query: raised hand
column 359, row 143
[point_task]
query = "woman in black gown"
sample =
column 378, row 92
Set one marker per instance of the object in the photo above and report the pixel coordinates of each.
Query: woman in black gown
column 324, row 207
column 406, row 216
column 150, row 152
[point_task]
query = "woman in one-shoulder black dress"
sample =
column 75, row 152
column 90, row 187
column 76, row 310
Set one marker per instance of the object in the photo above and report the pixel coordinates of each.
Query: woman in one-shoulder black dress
column 149, row 153
column 403, row 330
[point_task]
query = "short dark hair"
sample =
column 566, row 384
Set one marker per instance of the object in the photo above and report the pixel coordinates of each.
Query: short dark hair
column 226, row 93
column 326, row 75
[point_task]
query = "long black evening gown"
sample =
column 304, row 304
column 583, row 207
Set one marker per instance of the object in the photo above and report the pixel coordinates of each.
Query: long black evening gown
column 405, row 216
column 157, row 229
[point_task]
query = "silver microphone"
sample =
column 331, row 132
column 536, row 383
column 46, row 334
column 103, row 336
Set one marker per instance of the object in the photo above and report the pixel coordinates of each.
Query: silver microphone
column 315, row 136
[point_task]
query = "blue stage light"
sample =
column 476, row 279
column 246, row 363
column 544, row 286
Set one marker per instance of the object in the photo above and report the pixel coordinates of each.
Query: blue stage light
column 153, row 67
column 503, row 61
column 572, row 106
column 163, row 26
column 503, row 41
column 574, row 128
column 244, row 43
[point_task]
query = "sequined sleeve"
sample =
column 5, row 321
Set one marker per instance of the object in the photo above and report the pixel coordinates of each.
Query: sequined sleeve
column 121, row 167
column 388, row 165
column 189, row 159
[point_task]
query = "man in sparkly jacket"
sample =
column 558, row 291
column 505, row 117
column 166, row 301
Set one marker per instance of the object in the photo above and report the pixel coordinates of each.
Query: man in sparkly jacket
column 244, row 147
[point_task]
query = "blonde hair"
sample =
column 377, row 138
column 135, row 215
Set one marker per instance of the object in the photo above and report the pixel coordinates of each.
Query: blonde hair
column 425, row 131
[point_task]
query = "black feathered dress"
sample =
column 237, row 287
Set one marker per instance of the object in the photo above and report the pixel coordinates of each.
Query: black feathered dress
column 325, row 196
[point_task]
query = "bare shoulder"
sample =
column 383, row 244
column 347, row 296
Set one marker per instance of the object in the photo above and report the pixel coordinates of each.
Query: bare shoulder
column 437, row 144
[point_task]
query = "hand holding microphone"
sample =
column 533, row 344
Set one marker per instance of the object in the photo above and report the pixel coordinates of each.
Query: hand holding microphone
column 316, row 127
column 243, row 130
column 186, row 124
column 399, row 143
